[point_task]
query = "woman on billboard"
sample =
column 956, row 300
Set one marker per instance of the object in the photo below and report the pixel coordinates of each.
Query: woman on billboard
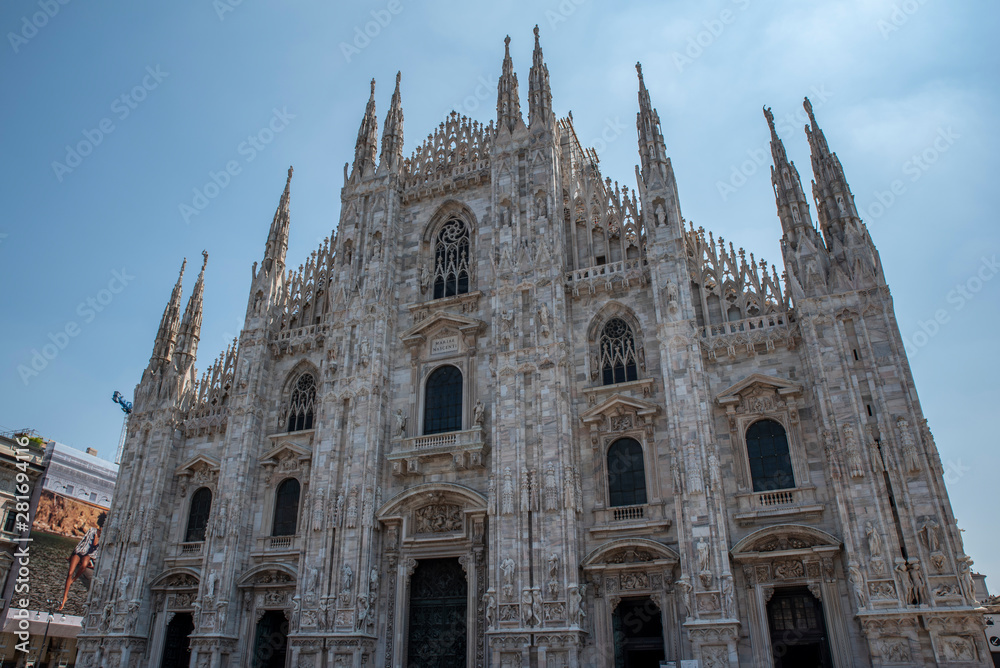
column 82, row 557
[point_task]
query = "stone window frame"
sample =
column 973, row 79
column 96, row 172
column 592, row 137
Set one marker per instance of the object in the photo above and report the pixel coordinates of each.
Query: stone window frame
column 609, row 441
column 271, row 501
column 742, row 411
column 427, row 256
column 287, row 389
column 190, row 507
column 640, row 435
column 788, row 445
column 608, row 312
column 428, row 371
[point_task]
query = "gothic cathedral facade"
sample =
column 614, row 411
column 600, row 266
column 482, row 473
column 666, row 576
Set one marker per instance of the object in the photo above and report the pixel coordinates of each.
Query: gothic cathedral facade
column 514, row 414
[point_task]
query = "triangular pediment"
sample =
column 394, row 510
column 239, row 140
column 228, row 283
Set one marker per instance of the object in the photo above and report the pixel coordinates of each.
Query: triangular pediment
column 419, row 332
column 286, row 450
column 618, row 404
column 732, row 393
column 198, row 463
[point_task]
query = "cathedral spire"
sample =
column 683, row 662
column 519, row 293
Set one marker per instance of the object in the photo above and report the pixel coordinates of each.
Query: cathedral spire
column 804, row 253
column 277, row 238
column 835, row 203
column 508, row 102
column 652, row 151
column 846, row 236
column 539, row 93
column 392, row 135
column 366, row 147
column 190, row 329
column 166, row 336
column 793, row 207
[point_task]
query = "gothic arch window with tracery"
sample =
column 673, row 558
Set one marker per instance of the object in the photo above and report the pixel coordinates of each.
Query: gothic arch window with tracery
column 618, row 359
column 770, row 462
column 451, row 259
column 626, row 473
column 286, row 508
column 443, row 400
column 201, row 508
column 299, row 411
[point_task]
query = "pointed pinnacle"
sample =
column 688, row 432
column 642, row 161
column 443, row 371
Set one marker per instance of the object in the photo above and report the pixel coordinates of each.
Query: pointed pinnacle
column 770, row 118
column 638, row 68
column 373, row 90
column 506, row 46
column 204, row 255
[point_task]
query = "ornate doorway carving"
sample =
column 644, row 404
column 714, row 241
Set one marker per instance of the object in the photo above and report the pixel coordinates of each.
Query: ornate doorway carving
column 176, row 650
column 638, row 632
column 798, row 633
column 437, row 625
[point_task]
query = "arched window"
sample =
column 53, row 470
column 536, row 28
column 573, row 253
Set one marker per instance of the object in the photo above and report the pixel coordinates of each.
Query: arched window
column 618, row 358
column 201, row 508
column 626, row 473
column 443, row 400
column 770, row 464
column 299, row 414
column 286, row 508
column 451, row 260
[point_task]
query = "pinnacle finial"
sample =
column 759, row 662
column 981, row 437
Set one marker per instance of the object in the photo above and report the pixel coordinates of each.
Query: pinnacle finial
column 204, row 262
column 770, row 118
column 183, row 265
column 399, row 75
column 536, row 34
column 506, row 45
column 638, row 68
column 373, row 88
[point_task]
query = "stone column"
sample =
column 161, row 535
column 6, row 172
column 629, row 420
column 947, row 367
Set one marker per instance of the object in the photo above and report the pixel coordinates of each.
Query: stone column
column 760, row 636
column 833, row 612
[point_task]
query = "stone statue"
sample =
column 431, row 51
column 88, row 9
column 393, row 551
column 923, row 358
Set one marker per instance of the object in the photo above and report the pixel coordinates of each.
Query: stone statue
column 479, row 413
column 553, row 565
column 508, row 492
column 932, row 535
column 874, row 540
column 905, row 584
column 400, row 423
column 917, row 581
column 346, row 578
column 704, row 556
column 490, row 597
column 373, row 580
column 213, row 579
column 728, row 596
column 858, row 584
column 685, row 588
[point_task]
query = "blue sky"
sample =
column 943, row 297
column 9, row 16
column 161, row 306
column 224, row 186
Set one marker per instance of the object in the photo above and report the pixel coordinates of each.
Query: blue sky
column 905, row 91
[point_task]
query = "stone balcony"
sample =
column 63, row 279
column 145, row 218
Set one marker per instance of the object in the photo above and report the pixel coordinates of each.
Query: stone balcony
column 779, row 503
column 603, row 276
column 630, row 520
column 467, row 449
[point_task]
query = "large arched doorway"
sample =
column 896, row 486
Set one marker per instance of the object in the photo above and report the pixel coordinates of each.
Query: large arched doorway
column 638, row 631
column 271, row 642
column 798, row 633
column 437, row 620
column 176, row 645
